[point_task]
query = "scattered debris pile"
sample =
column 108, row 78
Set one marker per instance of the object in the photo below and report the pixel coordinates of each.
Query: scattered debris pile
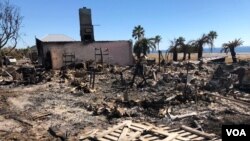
column 128, row 130
column 67, row 103
column 24, row 75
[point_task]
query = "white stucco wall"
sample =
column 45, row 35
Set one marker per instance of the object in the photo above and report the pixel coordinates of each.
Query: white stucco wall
column 120, row 52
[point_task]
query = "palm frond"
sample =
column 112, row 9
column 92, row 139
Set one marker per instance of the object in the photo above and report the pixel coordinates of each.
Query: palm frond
column 225, row 48
column 143, row 46
column 157, row 39
column 138, row 32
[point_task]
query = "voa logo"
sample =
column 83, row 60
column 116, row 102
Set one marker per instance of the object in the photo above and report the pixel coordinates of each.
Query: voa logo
column 236, row 132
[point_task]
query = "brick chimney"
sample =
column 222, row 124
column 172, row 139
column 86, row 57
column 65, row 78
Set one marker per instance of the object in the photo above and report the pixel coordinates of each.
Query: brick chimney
column 86, row 27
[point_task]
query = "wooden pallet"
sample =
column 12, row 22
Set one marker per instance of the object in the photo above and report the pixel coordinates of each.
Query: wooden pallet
column 131, row 131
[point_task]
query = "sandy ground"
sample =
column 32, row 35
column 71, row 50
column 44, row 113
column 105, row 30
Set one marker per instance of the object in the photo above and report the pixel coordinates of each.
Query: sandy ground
column 26, row 103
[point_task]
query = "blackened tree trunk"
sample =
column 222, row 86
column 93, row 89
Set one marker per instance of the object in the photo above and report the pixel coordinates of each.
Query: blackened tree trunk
column 184, row 54
column 233, row 54
column 175, row 54
column 2, row 54
column 1, row 61
column 189, row 55
column 200, row 50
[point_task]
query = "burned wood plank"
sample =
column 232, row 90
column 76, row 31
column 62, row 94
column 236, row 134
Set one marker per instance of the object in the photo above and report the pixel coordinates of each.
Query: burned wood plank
column 198, row 138
column 152, row 138
column 119, row 131
column 203, row 134
column 185, row 134
column 135, row 135
column 23, row 121
column 180, row 138
column 102, row 139
column 234, row 100
column 41, row 116
column 110, row 137
column 162, row 132
column 148, row 135
column 136, row 128
column 113, row 129
column 93, row 83
column 192, row 136
column 175, row 117
column 115, row 134
column 173, row 130
column 142, row 138
column 129, row 130
column 165, row 128
column 171, row 137
column 140, row 126
column 181, row 131
column 123, row 134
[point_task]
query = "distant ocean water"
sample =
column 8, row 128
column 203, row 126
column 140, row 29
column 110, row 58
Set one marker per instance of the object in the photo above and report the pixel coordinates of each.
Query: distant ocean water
column 245, row 49
column 237, row 50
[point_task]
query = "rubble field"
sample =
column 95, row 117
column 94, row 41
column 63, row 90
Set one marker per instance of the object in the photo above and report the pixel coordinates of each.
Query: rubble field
column 66, row 104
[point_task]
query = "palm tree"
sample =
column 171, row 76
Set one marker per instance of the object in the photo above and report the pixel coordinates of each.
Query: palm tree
column 200, row 43
column 138, row 32
column 205, row 39
column 143, row 46
column 157, row 40
column 212, row 36
column 230, row 46
column 173, row 49
column 185, row 49
column 191, row 48
column 175, row 45
column 181, row 44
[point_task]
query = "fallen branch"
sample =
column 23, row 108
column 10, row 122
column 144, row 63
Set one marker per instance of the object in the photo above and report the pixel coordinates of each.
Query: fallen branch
column 3, row 130
column 182, row 116
column 171, row 97
column 197, row 132
column 22, row 121
column 175, row 117
column 40, row 116
column 8, row 74
column 198, row 126
column 234, row 100
column 243, row 99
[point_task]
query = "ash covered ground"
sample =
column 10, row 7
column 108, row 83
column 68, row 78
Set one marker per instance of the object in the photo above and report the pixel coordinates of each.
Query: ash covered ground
column 64, row 105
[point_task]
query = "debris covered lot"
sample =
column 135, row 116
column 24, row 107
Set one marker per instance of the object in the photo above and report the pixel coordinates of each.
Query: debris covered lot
column 75, row 104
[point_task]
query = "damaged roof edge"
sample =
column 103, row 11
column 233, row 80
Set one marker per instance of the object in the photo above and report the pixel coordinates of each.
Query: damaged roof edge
column 57, row 38
column 65, row 38
column 106, row 41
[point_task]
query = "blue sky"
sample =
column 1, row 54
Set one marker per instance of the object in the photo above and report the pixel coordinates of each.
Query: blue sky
column 117, row 18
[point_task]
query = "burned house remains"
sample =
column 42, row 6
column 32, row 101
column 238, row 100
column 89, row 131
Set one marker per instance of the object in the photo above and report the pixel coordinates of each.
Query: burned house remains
column 55, row 51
